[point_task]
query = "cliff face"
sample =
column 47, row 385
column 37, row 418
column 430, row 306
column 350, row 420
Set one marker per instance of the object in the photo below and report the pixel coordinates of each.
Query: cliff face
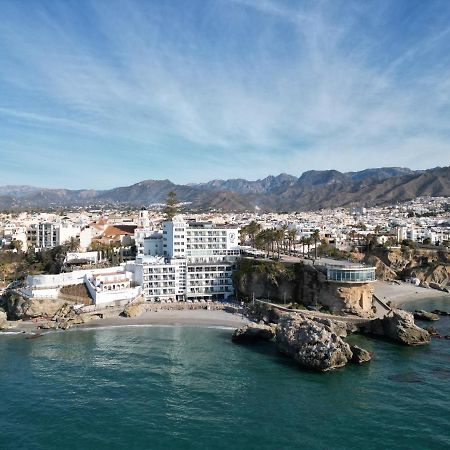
column 300, row 283
column 429, row 266
column 18, row 307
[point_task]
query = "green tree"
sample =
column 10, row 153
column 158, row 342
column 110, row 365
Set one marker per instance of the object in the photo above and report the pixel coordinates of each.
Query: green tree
column 292, row 236
column 316, row 238
column 16, row 244
column 171, row 209
column 73, row 244
column 303, row 241
column 250, row 231
column 278, row 237
column 308, row 242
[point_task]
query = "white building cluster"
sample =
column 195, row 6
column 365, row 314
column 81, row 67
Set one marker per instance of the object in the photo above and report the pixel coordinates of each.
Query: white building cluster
column 185, row 261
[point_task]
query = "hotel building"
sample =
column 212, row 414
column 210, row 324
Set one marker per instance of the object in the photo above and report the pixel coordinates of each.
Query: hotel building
column 188, row 260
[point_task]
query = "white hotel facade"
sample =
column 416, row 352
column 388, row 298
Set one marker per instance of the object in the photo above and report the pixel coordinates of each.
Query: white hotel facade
column 185, row 261
column 188, row 261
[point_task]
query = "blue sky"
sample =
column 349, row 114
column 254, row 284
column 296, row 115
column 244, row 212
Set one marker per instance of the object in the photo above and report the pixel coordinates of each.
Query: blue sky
column 97, row 94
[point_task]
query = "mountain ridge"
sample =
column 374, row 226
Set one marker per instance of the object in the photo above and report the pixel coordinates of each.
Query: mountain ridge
column 314, row 189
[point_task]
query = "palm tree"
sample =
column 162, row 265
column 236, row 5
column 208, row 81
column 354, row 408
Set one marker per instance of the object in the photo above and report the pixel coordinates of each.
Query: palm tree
column 308, row 242
column 303, row 241
column 316, row 237
column 284, row 230
column 292, row 235
column 278, row 236
column 73, row 244
column 263, row 240
column 252, row 229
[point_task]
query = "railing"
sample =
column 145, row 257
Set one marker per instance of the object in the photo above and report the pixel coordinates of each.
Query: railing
column 351, row 274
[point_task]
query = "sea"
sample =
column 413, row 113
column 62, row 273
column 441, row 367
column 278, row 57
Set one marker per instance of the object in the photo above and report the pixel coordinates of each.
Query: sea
column 184, row 387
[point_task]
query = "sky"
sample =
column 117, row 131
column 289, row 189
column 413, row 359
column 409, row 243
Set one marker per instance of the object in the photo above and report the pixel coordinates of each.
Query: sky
column 98, row 94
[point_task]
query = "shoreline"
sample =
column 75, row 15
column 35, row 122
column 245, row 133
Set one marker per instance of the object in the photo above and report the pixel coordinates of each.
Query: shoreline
column 402, row 293
column 193, row 318
column 200, row 317
column 398, row 294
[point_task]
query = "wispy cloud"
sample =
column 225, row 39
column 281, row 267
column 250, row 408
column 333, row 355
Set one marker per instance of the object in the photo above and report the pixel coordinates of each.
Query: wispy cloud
column 229, row 88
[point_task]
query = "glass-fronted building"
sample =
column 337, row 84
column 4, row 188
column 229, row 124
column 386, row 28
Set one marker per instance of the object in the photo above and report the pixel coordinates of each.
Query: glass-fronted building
column 351, row 274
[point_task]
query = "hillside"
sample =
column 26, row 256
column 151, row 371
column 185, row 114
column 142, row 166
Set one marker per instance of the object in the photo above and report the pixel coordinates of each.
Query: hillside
column 312, row 190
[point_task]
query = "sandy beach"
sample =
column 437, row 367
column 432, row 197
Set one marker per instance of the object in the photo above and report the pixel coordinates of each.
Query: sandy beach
column 199, row 317
column 404, row 292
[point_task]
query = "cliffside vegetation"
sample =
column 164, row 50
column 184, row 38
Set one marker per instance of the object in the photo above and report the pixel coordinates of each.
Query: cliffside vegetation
column 298, row 284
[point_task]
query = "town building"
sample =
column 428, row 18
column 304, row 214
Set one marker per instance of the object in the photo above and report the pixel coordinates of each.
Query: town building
column 44, row 235
column 188, row 260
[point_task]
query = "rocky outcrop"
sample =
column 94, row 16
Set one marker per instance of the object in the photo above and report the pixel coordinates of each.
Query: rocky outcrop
column 431, row 267
column 254, row 332
column 264, row 312
column 398, row 326
column 432, row 331
column 439, row 312
column 382, row 271
column 360, row 355
column 420, row 314
column 311, row 344
column 20, row 307
column 300, row 283
column 133, row 310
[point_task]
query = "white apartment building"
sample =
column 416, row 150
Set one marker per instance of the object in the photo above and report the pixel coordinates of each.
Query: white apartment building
column 48, row 235
column 140, row 236
column 188, row 261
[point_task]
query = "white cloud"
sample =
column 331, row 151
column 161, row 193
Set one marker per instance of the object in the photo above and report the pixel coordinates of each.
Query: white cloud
column 329, row 104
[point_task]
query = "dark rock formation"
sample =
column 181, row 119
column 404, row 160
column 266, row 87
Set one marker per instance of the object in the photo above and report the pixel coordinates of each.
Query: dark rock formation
column 253, row 332
column 312, row 344
column 360, row 355
column 440, row 312
column 398, row 326
column 264, row 312
column 420, row 314
column 432, row 331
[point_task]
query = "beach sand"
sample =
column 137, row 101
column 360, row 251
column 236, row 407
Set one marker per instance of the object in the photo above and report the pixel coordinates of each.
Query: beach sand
column 199, row 317
column 399, row 293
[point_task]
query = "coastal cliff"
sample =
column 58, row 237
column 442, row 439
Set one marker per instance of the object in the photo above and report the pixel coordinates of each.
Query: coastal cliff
column 431, row 267
column 19, row 307
column 300, row 283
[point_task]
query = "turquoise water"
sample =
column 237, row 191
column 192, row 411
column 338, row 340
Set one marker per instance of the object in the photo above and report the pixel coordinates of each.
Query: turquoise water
column 182, row 387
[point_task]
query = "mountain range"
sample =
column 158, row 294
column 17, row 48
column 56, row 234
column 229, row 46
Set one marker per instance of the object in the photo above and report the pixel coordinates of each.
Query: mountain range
column 314, row 189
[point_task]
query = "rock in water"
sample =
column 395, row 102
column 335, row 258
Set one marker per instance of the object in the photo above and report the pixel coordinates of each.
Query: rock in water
column 399, row 326
column 360, row 355
column 432, row 331
column 420, row 314
column 253, row 332
column 312, row 344
column 440, row 313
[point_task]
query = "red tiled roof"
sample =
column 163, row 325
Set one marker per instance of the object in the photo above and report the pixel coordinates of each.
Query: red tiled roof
column 120, row 230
